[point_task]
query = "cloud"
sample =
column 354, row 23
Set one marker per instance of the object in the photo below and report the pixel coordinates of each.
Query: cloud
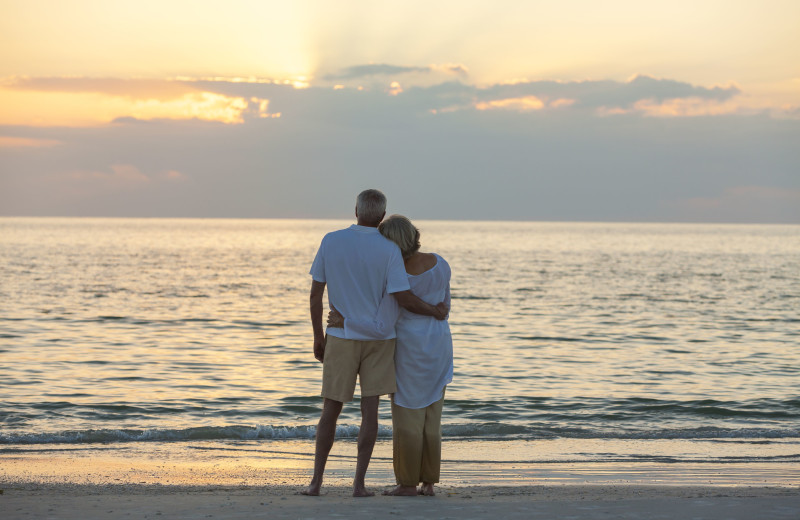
column 641, row 95
column 522, row 104
column 495, row 164
column 201, row 105
column 364, row 71
column 530, row 150
column 683, row 107
column 81, row 101
column 607, row 94
column 233, row 100
column 384, row 71
column 452, row 68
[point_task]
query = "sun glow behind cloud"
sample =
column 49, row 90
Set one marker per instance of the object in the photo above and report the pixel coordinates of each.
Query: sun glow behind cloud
column 522, row 104
column 87, row 109
column 82, row 101
column 92, row 101
column 317, row 43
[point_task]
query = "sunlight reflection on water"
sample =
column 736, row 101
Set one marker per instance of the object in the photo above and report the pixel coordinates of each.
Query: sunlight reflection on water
column 126, row 323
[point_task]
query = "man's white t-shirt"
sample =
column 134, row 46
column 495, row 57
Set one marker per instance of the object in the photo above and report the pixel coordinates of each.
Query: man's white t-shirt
column 359, row 266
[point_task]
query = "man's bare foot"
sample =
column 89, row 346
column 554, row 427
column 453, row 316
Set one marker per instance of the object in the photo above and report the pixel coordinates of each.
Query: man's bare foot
column 312, row 490
column 360, row 491
column 401, row 491
column 426, row 489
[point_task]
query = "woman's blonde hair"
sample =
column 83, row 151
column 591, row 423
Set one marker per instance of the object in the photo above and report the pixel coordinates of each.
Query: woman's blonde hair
column 402, row 232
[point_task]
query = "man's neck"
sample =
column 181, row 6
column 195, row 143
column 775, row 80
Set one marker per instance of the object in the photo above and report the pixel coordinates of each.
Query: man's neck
column 367, row 224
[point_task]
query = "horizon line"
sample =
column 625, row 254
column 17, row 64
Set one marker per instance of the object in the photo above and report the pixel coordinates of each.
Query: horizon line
column 349, row 219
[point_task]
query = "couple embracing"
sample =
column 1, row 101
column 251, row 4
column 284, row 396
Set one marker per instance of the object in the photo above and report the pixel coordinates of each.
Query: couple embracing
column 387, row 325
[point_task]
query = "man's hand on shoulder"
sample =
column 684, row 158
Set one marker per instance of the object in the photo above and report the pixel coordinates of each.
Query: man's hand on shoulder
column 442, row 310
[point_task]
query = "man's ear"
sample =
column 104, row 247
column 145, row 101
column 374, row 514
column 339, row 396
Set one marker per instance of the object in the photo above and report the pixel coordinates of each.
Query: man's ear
column 383, row 215
column 356, row 212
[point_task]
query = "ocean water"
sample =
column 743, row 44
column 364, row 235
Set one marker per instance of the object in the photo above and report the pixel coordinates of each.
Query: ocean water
column 158, row 330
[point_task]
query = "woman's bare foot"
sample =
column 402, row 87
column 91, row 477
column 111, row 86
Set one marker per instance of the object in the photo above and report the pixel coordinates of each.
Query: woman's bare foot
column 401, row 491
column 360, row 491
column 426, row 489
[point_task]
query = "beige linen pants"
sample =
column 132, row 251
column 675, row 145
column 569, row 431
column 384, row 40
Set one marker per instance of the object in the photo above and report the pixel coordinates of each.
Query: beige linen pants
column 417, row 443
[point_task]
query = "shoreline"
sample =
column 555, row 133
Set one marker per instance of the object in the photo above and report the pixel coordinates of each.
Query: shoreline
column 465, row 463
column 249, row 480
column 534, row 492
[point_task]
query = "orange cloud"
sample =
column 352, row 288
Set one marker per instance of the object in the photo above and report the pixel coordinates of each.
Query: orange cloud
column 524, row 104
column 395, row 88
column 93, row 101
column 207, row 106
column 33, row 108
column 687, row 107
column 261, row 108
column 562, row 102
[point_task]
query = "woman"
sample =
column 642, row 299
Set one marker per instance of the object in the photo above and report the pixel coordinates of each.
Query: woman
column 423, row 362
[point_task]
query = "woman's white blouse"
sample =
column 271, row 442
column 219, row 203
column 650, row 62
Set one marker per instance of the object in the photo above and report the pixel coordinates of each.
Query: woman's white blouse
column 424, row 352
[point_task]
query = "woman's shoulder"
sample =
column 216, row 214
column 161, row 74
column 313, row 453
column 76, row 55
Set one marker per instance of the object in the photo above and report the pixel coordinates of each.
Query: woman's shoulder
column 440, row 265
column 440, row 260
column 421, row 263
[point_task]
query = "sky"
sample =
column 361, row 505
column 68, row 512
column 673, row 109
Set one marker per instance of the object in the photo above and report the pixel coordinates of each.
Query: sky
column 577, row 110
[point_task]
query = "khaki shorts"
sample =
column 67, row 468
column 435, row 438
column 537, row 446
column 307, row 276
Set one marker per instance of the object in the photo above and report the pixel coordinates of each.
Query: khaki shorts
column 372, row 361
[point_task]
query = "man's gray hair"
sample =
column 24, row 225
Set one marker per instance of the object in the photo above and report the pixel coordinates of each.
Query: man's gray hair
column 371, row 205
column 402, row 232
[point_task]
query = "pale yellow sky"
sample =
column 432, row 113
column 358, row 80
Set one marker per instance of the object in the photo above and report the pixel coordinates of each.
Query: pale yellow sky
column 754, row 45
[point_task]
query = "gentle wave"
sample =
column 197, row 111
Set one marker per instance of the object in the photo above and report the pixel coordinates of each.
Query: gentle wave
column 521, row 417
column 487, row 431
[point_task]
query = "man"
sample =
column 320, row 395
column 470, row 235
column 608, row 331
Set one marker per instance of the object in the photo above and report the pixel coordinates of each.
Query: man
column 359, row 266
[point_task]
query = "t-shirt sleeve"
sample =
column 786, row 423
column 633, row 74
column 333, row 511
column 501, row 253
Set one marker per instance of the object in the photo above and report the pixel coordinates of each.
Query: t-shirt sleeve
column 396, row 278
column 317, row 271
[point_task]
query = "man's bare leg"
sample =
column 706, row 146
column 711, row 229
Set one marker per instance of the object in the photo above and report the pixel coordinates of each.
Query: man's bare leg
column 366, row 442
column 326, row 431
column 427, row 489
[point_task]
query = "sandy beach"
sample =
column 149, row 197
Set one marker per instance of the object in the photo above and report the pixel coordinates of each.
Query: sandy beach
column 473, row 502
column 208, row 481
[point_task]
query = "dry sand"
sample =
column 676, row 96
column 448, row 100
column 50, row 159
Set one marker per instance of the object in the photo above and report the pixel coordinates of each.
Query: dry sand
column 574, row 502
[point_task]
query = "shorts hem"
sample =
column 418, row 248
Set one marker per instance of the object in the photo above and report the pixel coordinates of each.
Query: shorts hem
column 380, row 391
column 338, row 398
